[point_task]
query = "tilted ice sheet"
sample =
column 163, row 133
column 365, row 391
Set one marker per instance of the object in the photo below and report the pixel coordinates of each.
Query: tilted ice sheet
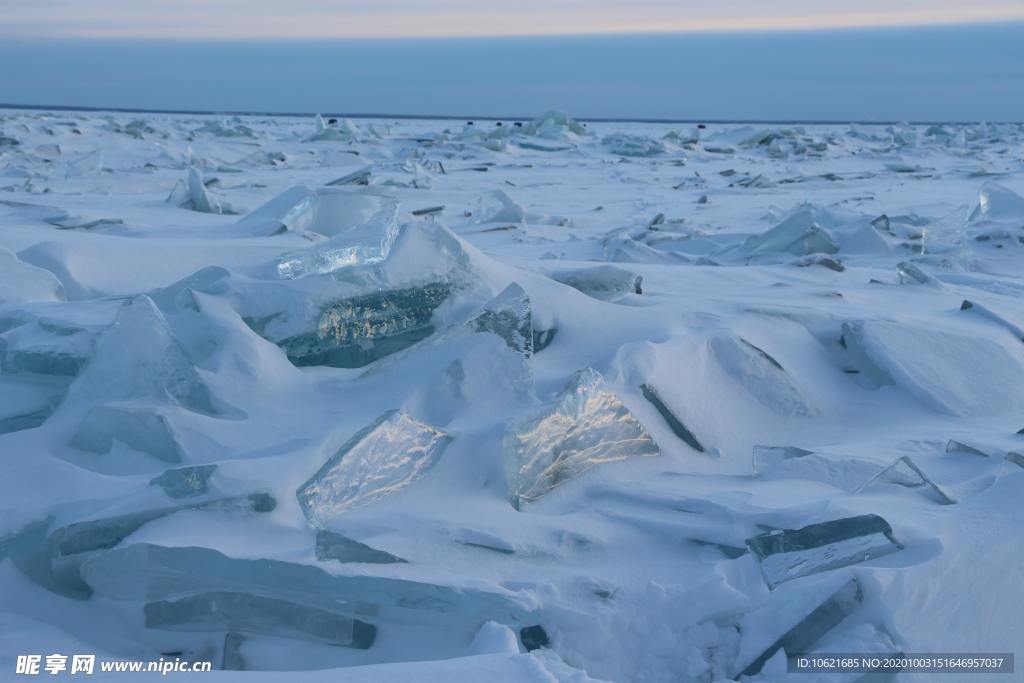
column 377, row 462
column 586, row 426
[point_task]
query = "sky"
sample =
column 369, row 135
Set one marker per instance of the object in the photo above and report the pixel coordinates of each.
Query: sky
column 278, row 19
column 840, row 60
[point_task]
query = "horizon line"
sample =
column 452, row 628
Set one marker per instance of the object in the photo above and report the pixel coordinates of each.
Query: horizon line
column 464, row 117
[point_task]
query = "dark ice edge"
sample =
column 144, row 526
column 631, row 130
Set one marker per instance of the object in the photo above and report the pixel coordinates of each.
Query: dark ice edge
column 677, row 427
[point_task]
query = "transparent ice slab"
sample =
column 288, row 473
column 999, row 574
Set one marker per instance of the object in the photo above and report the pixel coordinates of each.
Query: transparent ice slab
column 586, row 426
column 193, row 194
column 106, row 532
column 847, row 473
column 232, row 659
column 71, row 545
column 810, row 628
column 787, row 554
column 628, row 145
column 293, row 210
column 509, row 316
column 44, row 347
column 761, row 375
column 356, row 315
column 904, row 472
column 380, row 460
column 497, row 207
column 332, row 546
column 601, row 282
column 145, row 572
column 911, row 273
column 185, row 482
column 364, row 228
column 231, row 611
column 355, row 332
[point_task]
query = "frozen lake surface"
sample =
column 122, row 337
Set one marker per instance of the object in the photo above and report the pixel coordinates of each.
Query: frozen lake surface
column 420, row 400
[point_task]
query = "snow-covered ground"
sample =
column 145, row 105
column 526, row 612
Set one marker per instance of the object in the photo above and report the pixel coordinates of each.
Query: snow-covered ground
column 538, row 400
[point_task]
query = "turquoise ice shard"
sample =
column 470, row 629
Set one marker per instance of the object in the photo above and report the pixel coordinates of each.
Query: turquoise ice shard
column 601, row 282
column 509, row 316
column 381, row 459
column 786, row 554
column 138, row 357
column 248, row 613
column 143, row 429
column 587, row 425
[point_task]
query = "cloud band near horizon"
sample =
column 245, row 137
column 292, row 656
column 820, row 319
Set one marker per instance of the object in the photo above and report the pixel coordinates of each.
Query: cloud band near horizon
column 297, row 19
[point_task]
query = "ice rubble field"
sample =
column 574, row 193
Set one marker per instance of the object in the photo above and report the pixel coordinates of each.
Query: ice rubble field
column 426, row 401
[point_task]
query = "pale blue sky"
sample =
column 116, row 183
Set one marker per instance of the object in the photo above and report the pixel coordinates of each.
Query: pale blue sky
column 784, row 60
